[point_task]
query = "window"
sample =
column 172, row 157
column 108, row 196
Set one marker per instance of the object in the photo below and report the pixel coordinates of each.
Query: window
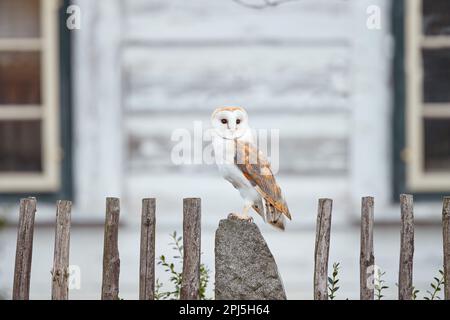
column 428, row 95
column 29, row 97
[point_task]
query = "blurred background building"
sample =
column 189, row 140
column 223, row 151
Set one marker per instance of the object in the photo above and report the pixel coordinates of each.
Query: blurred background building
column 358, row 88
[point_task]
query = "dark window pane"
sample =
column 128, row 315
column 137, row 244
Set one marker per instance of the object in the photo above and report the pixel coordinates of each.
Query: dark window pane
column 436, row 82
column 436, row 17
column 20, row 146
column 20, row 78
column 19, row 18
column 437, row 145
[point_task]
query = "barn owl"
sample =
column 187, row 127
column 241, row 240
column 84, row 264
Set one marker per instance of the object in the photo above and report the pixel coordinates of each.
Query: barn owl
column 245, row 167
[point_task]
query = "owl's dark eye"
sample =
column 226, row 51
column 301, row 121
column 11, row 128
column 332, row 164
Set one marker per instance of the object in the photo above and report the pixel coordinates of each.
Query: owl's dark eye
column 224, row 121
column 238, row 121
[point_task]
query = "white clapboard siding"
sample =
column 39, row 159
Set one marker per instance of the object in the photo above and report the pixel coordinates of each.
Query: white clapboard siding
column 184, row 59
column 311, row 68
column 260, row 77
column 304, row 148
column 196, row 20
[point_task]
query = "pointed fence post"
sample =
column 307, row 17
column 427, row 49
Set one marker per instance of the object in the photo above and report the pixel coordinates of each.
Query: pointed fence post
column 405, row 280
column 60, row 271
column 147, row 255
column 366, row 259
column 190, row 284
column 111, row 260
column 322, row 248
column 24, row 250
column 446, row 238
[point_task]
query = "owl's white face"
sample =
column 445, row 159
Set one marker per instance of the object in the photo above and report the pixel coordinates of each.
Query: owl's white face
column 230, row 122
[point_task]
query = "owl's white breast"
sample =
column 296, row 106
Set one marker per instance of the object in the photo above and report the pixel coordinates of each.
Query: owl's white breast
column 225, row 150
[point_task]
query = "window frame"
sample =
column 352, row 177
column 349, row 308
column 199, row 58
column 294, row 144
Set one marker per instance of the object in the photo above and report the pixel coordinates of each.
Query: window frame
column 55, row 110
column 47, row 112
column 416, row 110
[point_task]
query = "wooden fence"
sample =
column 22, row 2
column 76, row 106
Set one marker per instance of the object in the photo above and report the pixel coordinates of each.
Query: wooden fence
column 191, row 242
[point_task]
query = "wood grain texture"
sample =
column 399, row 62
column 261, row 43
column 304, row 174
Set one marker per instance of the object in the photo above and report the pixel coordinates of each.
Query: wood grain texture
column 111, row 260
column 322, row 248
column 190, row 283
column 24, row 249
column 446, row 238
column 60, row 271
column 405, row 280
column 366, row 258
column 147, row 254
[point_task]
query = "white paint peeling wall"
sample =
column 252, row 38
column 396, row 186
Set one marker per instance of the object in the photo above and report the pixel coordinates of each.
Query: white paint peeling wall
column 371, row 160
column 311, row 68
column 98, row 117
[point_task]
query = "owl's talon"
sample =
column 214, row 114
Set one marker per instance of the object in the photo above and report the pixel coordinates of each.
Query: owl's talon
column 235, row 216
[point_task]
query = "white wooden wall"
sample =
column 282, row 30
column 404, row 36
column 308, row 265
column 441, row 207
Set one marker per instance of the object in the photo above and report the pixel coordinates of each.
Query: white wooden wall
column 310, row 68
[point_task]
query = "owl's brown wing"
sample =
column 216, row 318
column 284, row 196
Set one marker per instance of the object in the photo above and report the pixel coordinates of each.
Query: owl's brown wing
column 256, row 169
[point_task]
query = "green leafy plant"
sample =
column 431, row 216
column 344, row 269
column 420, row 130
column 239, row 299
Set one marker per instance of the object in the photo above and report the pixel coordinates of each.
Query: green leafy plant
column 436, row 285
column 333, row 281
column 380, row 284
column 204, row 280
column 159, row 295
column 172, row 267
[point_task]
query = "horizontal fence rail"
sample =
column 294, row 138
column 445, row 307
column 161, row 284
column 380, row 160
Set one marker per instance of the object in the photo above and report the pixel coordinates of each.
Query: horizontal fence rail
column 190, row 279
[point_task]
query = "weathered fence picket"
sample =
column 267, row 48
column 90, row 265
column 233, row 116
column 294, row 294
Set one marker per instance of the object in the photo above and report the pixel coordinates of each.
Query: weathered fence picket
column 190, row 283
column 24, row 249
column 405, row 278
column 446, row 242
column 60, row 271
column 111, row 260
column 147, row 254
column 367, row 259
column 322, row 248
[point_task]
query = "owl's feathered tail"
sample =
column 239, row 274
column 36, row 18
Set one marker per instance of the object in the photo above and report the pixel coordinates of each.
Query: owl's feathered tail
column 271, row 215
